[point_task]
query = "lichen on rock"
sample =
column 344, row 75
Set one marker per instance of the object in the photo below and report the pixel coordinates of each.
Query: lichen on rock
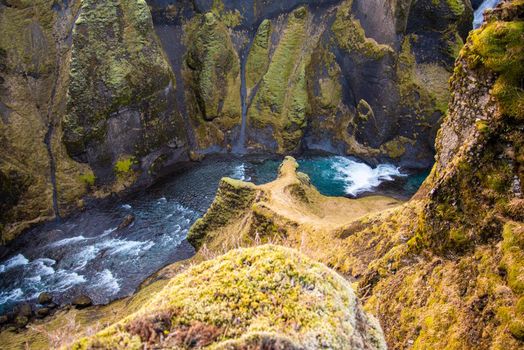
column 246, row 298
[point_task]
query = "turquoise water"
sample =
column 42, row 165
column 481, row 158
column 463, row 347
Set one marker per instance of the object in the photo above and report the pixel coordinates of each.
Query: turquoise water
column 345, row 177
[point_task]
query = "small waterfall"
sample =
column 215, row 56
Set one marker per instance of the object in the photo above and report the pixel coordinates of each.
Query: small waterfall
column 479, row 13
column 240, row 146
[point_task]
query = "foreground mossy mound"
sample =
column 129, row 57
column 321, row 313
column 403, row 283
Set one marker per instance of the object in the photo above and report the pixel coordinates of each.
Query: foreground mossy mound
column 249, row 298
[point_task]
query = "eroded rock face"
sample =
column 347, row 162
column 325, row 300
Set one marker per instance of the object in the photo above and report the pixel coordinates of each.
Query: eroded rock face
column 121, row 94
column 86, row 101
column 308, row 69
column 219, row 304
column 33, row 72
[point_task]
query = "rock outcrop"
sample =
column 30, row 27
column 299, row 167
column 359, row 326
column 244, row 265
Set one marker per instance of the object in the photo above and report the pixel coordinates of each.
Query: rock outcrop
column 257, row 298
column 120, row 103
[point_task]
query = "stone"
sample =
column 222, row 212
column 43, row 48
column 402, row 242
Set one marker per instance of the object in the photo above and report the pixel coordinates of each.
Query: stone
column 45, row 298
column 3, row 319
column 128, row 220
column 195, row 156
column 42, row 312
column 23, row 309
column 82, row 301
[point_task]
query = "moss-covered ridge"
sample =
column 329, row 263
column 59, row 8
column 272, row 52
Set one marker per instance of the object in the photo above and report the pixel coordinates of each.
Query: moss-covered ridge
column 248, row 297
column 212, row 79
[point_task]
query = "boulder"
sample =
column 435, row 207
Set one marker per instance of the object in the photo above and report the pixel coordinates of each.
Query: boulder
column 45, row 298
column 42, row 312
column 82, row 301
column 23, row 309
column 128, row 220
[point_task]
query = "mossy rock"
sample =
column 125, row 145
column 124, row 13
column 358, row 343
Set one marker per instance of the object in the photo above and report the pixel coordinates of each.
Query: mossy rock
column 263, row 295
column 232, row 198
column 118, row 71
column 282, row 101
column 212, row 79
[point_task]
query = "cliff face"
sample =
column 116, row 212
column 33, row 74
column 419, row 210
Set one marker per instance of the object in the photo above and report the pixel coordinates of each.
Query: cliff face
column 87, row 103
column 120, row 102
column 321, row 75
column 34, row 69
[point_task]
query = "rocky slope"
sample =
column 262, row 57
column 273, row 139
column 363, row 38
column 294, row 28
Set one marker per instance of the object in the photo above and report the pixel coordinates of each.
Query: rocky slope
column 97, row 97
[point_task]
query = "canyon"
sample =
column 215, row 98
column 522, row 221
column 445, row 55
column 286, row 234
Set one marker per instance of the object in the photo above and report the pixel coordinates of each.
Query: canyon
column 111, row 104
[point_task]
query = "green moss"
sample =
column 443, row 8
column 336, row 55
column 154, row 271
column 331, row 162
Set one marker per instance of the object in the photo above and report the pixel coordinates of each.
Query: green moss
column 513, row 256
column 482, row 126
column 282, row 100
column 123, row 166
column 364, row 110
column 231, row 18
column 396, row 148
column 456, row 6
column 232, row 198
column 88, row 178
column 516, row 327
column 457, row 236
column 244, row 294
column 258, row 59
column 213, row 78
column 114, row 51
column 351, row 37
column 499, row 47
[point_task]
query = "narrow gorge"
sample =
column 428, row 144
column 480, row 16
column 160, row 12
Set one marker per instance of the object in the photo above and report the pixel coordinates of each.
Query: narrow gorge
column 223, row 174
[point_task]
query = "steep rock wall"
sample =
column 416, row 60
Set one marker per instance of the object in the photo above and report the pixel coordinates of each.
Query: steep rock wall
column 34, row 71
column 326, row 75
column 87, row 103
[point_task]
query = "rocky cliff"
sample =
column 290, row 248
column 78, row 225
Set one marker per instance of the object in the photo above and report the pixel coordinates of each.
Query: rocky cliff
column 322, row 75
column 88, row 106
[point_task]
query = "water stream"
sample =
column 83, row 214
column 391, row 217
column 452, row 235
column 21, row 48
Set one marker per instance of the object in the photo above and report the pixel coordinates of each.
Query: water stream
column 240, row 146
column 87, row 254
column 479, row 13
